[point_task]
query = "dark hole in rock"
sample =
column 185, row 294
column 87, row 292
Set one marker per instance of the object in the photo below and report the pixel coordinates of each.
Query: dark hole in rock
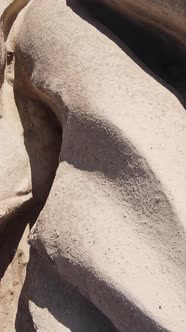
column 9, row 58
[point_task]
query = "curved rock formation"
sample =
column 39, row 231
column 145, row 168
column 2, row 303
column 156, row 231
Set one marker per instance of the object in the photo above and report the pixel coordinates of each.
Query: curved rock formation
column 102, row 161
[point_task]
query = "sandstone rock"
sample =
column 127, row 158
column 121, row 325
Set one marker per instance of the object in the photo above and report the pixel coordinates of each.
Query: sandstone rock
column 113, row 225
column 114, row 221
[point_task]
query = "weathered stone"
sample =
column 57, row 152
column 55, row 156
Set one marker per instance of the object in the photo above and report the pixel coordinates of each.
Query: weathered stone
column 109, row 138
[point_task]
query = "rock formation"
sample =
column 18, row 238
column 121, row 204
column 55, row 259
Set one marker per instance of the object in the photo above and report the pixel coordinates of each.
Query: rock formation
column 92, row 169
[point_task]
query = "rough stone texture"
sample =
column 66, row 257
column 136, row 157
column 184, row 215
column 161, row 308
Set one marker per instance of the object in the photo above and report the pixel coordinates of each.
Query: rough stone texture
column 82, row 114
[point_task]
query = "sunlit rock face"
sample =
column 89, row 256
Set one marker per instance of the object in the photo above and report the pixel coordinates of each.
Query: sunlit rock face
column 93, row 153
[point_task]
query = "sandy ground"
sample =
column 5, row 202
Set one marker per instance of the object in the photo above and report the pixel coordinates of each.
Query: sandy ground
column 13, row 271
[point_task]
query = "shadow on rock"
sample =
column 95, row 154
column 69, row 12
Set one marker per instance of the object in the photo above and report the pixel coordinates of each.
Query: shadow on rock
column 156, row 53
column 54, row 303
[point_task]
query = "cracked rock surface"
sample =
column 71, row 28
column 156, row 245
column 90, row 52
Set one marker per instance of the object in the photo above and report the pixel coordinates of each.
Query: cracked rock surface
column 92, row 166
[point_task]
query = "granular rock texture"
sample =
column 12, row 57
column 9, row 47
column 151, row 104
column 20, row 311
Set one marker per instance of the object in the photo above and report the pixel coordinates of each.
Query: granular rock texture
column 92, row 136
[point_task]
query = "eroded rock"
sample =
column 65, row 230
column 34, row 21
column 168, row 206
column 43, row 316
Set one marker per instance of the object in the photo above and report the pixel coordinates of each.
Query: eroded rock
column 113, row 224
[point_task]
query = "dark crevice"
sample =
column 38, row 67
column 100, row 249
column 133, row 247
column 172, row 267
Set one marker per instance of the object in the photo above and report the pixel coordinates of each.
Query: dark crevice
column 9, row 58
column 157, row 51
column 42, row 140
column 10, row 14
column 12, row 233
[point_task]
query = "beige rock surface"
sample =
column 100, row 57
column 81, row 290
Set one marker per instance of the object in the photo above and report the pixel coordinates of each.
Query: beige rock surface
column 113, row 224
column 16, row 155
column 117, row 143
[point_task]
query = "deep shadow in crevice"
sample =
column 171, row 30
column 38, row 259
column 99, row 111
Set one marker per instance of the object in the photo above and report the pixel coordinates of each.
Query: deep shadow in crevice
column 10, row 14
column 42, row 139
column 156, row 53
column 12, row 233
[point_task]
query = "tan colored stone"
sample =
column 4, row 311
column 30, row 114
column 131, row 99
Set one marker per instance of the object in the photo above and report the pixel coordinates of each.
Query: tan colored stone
column 114, row 222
